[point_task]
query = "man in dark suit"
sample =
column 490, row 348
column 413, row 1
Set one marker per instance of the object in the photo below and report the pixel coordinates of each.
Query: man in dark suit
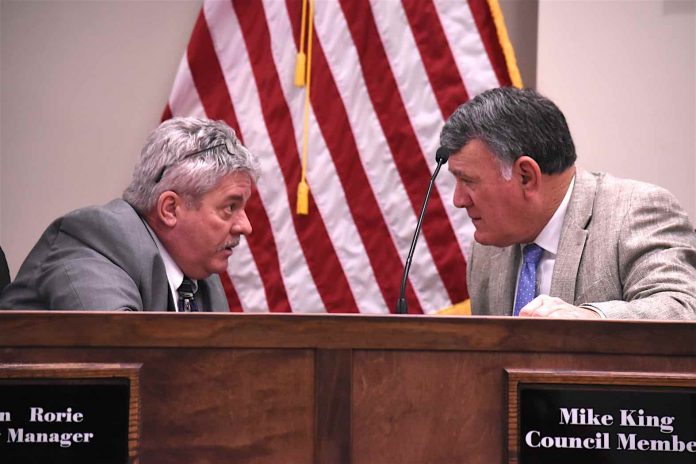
column 4, row 271
column 161, row 246
column 554, row 240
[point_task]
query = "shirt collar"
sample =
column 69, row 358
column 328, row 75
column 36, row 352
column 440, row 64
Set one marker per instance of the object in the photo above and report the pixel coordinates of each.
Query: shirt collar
column 174, row 273
column 551, row 233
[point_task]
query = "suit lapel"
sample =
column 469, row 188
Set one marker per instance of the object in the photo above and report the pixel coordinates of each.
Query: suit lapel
column 573, row 237
column 170, row 300
column 212, row 295
column 203, row 297
column 503, row 274
column 156, row 293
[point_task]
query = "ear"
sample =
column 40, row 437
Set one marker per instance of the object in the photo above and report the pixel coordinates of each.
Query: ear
column 167, row 208
column 527, row 171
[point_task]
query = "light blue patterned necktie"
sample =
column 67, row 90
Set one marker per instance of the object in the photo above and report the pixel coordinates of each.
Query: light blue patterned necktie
column 526, row 288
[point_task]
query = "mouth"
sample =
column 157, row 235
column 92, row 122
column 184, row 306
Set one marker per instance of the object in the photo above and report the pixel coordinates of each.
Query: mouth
column 228, row 246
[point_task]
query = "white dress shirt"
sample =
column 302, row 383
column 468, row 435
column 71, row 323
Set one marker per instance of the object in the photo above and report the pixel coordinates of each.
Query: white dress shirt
column 548, row 239
column 175, row 276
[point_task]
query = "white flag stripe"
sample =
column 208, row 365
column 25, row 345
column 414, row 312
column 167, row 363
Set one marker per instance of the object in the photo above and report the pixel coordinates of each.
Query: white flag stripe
column 246, row 279
column 473, row 62
column 409, row 72
column 364, row 202
column 226, row 34
column 331, row 202
column 423, row 112
column 242, row 269
column 334, row 35
column 421, row 106
column 184, row 99
column 284, row 56
column 322, row 176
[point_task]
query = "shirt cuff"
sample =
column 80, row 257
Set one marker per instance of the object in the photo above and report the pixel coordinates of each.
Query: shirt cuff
column 595, row 309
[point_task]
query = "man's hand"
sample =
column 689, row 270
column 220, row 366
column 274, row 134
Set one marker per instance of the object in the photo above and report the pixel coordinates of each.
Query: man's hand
column 548, row 306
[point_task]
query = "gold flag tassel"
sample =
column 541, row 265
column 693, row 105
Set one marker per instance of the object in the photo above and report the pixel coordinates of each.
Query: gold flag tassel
column 303, row 188
column 301, row 63
column 505, row 43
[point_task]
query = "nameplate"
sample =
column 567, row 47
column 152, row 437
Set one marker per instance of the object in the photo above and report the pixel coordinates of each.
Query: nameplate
column 605, row 417
column 78, row 413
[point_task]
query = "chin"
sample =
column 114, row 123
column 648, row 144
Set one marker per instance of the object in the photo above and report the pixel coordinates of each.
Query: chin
column 487, row 240
column 207, row 271
column 483, row 239
column 219, row 267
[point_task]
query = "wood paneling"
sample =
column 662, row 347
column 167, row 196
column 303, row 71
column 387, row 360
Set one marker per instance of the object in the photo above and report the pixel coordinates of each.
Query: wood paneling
column 211, row 405
column 333, row 403
column 220, row 388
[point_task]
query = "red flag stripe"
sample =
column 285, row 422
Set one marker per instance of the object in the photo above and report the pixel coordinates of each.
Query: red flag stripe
column 207, row 75
column 229, row 44
column 232, row 298
column 489, row 34
column 245, row 279
column 426, row 119
column 414, row 170
column 316, row 244
column 322, row 175
column 167, row 113
column 186, row 102
column 210, row 83
column 333, row 121
column 385, row 76
column 467, row 45
column 436, row 55
column 375, row 155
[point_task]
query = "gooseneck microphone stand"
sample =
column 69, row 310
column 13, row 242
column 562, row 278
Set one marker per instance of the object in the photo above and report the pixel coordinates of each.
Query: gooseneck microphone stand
column 441, row 156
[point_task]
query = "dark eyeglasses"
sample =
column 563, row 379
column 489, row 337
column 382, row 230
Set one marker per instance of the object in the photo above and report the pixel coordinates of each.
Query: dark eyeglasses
column 185, row 157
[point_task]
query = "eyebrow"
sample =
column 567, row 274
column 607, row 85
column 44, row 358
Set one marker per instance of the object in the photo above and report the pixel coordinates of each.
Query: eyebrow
column 457, row 172
column 234, row 198
column 462, row 175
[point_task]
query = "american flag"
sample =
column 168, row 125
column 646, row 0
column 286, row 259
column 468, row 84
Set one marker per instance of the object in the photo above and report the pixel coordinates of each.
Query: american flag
column 384, row 76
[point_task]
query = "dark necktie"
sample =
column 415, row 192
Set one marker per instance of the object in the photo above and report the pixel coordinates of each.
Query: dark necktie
column 526, row 287
column 187, row 303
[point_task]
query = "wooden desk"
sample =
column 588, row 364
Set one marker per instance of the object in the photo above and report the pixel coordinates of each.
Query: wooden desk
column 222, row 388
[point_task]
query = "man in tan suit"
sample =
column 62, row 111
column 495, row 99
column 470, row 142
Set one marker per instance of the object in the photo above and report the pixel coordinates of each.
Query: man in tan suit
column 554, row 240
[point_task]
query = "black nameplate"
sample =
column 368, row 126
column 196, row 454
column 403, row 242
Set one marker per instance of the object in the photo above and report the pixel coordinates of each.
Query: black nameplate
column 579, row 424
column 64, row 420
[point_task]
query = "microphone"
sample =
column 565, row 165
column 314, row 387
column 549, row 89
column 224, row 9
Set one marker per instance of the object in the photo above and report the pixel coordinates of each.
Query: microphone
column 441, row 156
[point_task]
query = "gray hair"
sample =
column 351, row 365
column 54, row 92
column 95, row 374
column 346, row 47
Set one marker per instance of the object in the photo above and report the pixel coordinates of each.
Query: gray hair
column 513, row 122
column 188, row 156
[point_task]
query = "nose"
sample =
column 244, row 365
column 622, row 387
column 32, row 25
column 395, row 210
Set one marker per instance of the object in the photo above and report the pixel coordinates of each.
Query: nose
column 241, row 225
column 461, row 197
